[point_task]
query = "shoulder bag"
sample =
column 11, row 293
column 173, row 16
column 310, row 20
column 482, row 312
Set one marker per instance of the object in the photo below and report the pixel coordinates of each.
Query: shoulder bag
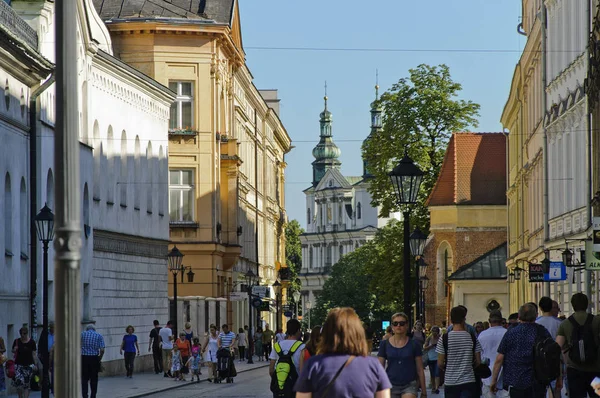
column 350, row 359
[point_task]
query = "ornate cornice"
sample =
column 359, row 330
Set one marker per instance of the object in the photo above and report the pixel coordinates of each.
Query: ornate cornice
column 113, row 242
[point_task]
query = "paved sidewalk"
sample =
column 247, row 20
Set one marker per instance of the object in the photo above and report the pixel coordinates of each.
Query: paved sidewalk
column 143, row 384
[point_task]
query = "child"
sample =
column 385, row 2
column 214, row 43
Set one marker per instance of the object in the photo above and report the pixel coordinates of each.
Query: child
column 193, row 365
column 176, row 363
column 196, row 346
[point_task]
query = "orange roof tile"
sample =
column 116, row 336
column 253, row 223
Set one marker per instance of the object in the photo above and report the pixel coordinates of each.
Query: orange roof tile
column 473, row 171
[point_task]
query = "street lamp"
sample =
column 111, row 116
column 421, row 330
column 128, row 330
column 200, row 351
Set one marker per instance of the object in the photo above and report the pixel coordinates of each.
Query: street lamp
column 175, row 262
column 44, row 226
column 406, row 180
column 277, row 289
column 308, row 307
column 250, row 278
column 417, row 242
column 567, row 256
column 296, row 296
column 517, row 273
column 511, row 277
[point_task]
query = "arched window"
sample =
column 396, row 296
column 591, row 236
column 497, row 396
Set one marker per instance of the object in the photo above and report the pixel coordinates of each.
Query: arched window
column 308, row 216
column 50, row 190
column 161, row 173
column 97, row 160
column 112, row 166
column 444, row 269
column 87, row 229
column 8, row 213
column 150, row 162
column 23, row 219
column 84, row 113
column 358, row 211
column 137, row 171
column 123, row 175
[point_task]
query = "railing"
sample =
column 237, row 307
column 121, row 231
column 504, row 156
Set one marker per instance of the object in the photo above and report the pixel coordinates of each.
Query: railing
column 13, row 24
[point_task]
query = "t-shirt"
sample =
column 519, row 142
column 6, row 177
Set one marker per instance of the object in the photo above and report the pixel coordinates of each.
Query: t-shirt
column 241, row 339
column 566, row 329
column 25, row 352
column 401, row 367
column 226, row 339
column 267, row 336
column 285, row 347
column 551, row 323
column 184, row 347
column 154, row 335
column 490, row 340
column 431, row 354
column 363, row 377
column 459, row 358
column 129, row 340
column 165, row 334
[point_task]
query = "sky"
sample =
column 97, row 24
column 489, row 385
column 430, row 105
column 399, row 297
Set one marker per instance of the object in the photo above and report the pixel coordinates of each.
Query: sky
column 477, row 39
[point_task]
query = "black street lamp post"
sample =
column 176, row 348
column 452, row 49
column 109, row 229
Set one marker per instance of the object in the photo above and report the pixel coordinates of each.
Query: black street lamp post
column 175, row 262
column 250, row 278
column 277, row 288
column 406, row 179
column 44, row 226
column 417, row 246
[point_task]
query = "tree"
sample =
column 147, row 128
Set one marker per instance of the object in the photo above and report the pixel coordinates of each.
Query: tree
column 293, row 252
column 419, row 115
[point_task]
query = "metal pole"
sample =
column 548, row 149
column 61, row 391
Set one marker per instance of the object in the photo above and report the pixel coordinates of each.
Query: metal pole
column 250, row 354
column 175, row 305
column 418, row 291
column 44, row 341
column 406, row 248
column 67, row 295
column 309, row 319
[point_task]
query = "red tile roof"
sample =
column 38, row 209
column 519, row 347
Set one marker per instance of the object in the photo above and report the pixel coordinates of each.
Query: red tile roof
column 473, row 171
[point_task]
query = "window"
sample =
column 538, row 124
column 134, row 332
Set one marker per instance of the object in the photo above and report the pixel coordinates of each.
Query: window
column 181, row 110
column 181, row 196
column 308, row 216
column 358, row 211
column 447, row 273
column 8, row 212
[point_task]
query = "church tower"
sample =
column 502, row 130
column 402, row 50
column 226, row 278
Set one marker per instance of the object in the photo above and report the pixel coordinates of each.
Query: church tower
column 376, row 125
column 326, row 153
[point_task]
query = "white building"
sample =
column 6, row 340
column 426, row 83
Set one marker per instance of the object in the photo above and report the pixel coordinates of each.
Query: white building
column 125, row 231
column 339, row 214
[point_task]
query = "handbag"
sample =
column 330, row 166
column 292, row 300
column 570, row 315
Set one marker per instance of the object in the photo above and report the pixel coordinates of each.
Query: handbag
column 350, row 359
column 10, row 368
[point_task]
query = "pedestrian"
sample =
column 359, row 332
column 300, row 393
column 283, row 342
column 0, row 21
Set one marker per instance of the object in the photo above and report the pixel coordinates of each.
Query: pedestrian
column 3, row 359
column 388, row 333
column 242, row 343
column 284, row 354
column 486, row 325
column 580, row 333
column 258, row 343
column 154, row 344
column 429, row 349
column 516, row 357
column 92, row 351
column 280, row 336
column 343, row 366
column 176, row 363
column 548, row 320
column 513, row 320
column 226, row 338
column 469, row 328
column 458, row 350
column 129, row 346
column 193, row 364
column 26, row 362
column 267, row 341
column 196, row 346
column 404, row 358
column 166, row 338
column 504, row 323
column 418, row 335
column 184, row 346
column 555, row 309
column 490, row 340
column 444, row 329
column 209, row 350
column 189, row 333
column 478, row 328
column 310, row 347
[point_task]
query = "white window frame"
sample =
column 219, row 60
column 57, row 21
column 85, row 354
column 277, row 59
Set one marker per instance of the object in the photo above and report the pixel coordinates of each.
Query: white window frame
column 183, row 190
column 181, row 98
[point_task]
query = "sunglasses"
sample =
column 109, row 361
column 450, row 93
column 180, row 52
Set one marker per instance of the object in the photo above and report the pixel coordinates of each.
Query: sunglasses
column 399, row 323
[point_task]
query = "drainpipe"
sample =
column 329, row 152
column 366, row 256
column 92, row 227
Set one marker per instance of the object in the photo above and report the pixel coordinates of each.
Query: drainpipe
column 545, row 132
column 588, row 274
column 33, row 210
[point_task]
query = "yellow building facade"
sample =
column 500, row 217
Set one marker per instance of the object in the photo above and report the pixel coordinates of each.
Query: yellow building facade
column 225, row 152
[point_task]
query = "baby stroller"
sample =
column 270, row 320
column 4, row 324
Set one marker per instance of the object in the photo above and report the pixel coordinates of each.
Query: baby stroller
column 225, row 366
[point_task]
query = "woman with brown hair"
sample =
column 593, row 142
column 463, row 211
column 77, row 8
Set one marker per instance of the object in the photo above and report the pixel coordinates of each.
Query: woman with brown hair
column 310, row 348
column 342, row 366
column 404, row 357
column 25, row 362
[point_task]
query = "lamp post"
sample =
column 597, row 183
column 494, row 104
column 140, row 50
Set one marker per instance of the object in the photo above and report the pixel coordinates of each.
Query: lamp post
column 44, row 226
column 175, row 261
column 250, row 278
column 423, row 282
column 308, row 307
column 296, row 296
column 277, row 289
column 406, row 180
column 417, row 246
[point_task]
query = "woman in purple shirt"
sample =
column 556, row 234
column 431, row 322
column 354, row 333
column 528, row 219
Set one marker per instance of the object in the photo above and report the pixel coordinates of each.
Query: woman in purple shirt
column 342, row 367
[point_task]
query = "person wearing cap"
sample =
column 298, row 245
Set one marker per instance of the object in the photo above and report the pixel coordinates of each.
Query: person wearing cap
column 92, row 350
column 490, row 340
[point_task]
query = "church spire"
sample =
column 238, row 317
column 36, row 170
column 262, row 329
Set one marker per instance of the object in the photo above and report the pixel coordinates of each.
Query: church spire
column 376, row 123
column 326, row 153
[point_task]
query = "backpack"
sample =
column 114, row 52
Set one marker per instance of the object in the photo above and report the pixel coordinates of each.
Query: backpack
column 583, row 349
column 547, row 355
column 285, row 375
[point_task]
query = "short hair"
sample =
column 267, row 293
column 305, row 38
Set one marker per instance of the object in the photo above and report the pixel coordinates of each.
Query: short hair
column 458, row 314
column 127, row 329
column 343, row 333
column 534, row 306
column 579, row 301
column 90, row 327
column 224, row 326
column 546, row 304
column 156, row 322
column 169, row 323
column 513, row 316
column 496, row 316
column 188, row 325
column 292, row 327
column 399, row 315
column 435, row 329
column 528, row 312
column 464, row 308
column 23, row 330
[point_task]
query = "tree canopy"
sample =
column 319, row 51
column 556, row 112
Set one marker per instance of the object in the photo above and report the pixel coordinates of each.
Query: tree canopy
column 293, row 251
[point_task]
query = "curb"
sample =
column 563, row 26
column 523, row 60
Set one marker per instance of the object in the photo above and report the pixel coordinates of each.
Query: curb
column 173, row 387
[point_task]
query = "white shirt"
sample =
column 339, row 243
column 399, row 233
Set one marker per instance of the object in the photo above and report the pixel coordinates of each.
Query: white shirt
column 551, row 323
column 164, row 334
column 285, row 347
column 279, row 337
column 490, row 340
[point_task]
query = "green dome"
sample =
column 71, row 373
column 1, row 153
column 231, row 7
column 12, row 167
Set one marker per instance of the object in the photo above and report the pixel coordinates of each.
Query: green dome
column 326, row 149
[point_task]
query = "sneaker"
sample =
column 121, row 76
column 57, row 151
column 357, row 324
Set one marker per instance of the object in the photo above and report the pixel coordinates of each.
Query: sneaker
column 166, row 375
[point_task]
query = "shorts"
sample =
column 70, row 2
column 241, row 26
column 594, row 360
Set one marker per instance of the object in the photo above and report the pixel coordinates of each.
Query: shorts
column 410, row 388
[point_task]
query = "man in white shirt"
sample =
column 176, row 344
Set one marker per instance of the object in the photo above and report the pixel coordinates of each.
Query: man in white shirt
column 490, row 340
column 548, row 320
column 293, row 334
column 166, row 338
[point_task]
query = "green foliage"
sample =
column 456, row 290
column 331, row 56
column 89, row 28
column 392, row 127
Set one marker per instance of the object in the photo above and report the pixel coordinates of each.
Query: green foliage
column 293, row 251
column 420, row 114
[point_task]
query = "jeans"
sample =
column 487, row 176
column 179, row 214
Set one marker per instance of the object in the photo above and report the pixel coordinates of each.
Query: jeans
column 166, row 355
column 157, row 356
column 129, row 358
column 242, row 350
column 90, row 366
column 267, row 350
column 534, row 391
column 468, row 390
column 579, row 383
column 433, row 369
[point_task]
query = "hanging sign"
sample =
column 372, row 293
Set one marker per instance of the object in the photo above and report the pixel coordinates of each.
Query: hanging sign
column 557, row 272
column 592, row 257
column 536, row 272
column 596, row 234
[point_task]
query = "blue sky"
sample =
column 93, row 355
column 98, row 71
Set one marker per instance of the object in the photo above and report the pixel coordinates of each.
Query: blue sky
column 439, row 30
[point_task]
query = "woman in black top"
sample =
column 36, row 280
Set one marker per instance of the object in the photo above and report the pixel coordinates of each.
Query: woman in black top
column 25, row 360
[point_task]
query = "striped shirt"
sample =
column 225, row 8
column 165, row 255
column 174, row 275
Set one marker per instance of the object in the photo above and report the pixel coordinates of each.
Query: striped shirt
column 226, row 339
column 459, row 358
column 91, row 343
